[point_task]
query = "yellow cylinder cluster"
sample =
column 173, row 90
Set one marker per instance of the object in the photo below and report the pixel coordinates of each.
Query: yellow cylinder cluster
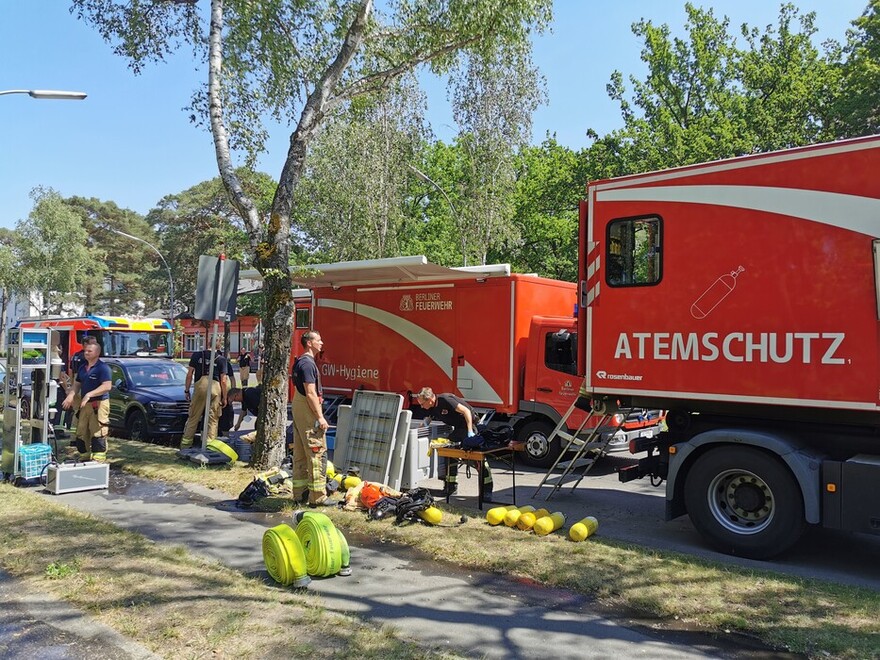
column 527, row 520
column 495, row 515
column 512, row 516
column 583, row 529
column 548, row 524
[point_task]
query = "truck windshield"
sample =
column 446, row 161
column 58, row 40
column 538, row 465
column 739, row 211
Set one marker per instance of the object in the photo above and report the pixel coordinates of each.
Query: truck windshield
column 117, row 343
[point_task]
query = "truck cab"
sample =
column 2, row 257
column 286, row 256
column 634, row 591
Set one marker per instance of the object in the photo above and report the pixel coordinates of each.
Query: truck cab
column 550, row 384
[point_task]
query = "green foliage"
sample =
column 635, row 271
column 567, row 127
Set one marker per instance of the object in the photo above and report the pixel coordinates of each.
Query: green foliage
column 493, row 97
column 52, row 253
column 706, row 98
column 858, row 106
column 550, row 183
column 352, row 202
column 201, row 220
column 131, row 269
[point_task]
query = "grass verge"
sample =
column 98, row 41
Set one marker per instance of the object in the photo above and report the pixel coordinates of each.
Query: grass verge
column 170, row 601
column 813, row 617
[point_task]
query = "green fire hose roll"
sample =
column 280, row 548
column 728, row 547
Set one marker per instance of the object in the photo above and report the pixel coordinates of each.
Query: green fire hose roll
column 284, row 556
column 325, row 547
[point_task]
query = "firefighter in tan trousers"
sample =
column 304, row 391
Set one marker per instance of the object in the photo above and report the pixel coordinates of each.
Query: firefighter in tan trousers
column 215, row 387
column 309, row 427
column 92, row 388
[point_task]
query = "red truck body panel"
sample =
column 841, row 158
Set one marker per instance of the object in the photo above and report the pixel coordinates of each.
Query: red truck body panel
column 767, row 286
column 469, row 337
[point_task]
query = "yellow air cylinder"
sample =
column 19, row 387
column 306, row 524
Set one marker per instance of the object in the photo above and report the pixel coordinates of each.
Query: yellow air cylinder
column 495, row 516
column 551, row 523
column 512, row 516
column 351, row 482
column 331, row 470
column 527, row 520
column 584, row 528
column 432, row 515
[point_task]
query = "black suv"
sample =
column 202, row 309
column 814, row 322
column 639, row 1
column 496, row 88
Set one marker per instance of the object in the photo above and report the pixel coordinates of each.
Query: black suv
column 147, row 399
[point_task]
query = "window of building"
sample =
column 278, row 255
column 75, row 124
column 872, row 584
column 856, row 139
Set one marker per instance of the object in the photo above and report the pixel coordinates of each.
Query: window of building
column 192, row 343
column 633, row 254
column 303, row 316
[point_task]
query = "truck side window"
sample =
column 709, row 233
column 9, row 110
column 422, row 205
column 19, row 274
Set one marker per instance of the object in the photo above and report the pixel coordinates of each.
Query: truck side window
column 633, row 252
column 302, row 318
column 560, row 351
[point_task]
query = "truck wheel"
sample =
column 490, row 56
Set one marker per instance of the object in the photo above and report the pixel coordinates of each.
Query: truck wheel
column 25, row 406
column 539, row 451
column 744, row 502
column 137, row 426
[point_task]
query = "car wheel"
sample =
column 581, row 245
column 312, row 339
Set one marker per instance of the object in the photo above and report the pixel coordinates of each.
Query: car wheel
column 539, row 450
column 745, row 502
column 25, row 407
column 137, row 426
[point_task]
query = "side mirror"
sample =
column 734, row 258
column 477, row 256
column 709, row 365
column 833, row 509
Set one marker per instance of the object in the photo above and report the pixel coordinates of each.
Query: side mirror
column 119, row 384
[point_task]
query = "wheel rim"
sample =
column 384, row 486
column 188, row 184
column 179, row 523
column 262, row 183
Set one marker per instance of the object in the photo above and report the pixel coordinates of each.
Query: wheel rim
column 741, row 502
column 537, row 445
column 138, row 428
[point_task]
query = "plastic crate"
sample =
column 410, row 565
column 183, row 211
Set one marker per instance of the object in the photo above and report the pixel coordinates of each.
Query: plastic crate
column 33, row 459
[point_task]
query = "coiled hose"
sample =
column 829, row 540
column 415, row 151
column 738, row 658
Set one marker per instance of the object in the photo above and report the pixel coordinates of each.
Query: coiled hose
column 314, row 548
column 284, row 557
column 325, row 547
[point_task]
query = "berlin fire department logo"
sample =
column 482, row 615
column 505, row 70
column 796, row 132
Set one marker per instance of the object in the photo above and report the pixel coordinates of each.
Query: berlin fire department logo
column 406, row 303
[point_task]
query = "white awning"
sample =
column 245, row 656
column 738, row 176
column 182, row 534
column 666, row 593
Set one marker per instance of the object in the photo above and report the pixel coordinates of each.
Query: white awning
column 381, row 271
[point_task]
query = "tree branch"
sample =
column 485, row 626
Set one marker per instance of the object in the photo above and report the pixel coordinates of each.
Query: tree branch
column 243, row 204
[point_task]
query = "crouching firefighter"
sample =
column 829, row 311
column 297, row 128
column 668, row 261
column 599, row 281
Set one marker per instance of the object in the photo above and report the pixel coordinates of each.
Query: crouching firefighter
column 93, row 382
column 457, row 413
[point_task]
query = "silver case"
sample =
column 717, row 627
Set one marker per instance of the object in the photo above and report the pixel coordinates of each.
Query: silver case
column 61, row 479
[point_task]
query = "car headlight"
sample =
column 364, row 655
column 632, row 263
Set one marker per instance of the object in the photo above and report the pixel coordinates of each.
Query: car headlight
column 163, row 406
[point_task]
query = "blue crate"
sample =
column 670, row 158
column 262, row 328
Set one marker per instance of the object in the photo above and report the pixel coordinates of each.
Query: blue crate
column 33, row 459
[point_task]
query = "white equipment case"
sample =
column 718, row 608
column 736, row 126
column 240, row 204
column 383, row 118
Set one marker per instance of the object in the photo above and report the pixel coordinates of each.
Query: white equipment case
column 75, row 477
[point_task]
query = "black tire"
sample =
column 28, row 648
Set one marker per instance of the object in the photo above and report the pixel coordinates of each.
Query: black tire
column 137, row 427
column 745, row 502
column 25, row 408
column 538, row 451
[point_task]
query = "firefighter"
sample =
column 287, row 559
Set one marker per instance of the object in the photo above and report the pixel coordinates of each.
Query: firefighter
column 214, row 388
column 458, row 414
column 92, row 385
column 309, row 426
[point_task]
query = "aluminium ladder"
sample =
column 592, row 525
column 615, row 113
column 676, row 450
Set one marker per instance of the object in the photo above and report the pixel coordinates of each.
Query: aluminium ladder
column 593, row 446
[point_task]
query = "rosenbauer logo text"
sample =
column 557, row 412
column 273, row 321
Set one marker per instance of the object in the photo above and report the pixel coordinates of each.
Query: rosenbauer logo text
column 805, row 347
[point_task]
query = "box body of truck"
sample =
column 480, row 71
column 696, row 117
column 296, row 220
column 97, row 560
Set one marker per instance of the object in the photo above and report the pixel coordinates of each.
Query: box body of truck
column 743, row 296
column 506, row 343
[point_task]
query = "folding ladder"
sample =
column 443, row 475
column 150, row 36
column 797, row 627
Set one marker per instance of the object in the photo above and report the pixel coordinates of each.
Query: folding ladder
column 591, row 449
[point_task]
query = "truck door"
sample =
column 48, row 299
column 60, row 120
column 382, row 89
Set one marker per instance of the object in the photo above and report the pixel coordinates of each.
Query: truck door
column 556, row 380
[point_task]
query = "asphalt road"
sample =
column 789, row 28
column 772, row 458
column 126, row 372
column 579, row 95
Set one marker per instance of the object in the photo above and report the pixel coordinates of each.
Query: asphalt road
column 634, row 512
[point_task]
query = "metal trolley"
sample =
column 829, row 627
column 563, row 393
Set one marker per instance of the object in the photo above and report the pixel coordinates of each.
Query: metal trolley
column 28, row 389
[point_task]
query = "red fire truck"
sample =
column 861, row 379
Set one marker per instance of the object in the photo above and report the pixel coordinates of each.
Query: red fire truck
column 119, row 336
column 744, row 297
column 506, row 343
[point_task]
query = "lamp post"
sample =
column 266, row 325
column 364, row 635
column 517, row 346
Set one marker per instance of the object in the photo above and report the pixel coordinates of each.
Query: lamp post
column 167, row 267
column 427, row 179
column 51, row 94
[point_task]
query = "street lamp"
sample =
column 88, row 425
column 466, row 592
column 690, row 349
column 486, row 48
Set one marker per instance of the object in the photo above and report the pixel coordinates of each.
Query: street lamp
column 153, row 247
column 53, row 94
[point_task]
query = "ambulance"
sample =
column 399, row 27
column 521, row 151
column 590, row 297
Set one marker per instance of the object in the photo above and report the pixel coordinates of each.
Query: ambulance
column 744, row 297
column 118, row 336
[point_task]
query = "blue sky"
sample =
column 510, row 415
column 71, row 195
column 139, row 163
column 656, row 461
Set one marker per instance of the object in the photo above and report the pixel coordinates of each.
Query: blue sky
column 131, row 142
